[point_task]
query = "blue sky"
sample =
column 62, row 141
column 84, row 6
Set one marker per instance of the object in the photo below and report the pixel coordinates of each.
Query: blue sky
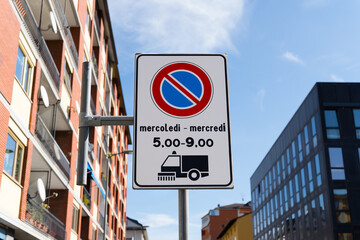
column 276, row 49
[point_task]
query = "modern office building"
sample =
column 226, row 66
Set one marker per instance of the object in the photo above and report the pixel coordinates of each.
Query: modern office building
column 42, row 48
column 215, row 221
column 308, row 184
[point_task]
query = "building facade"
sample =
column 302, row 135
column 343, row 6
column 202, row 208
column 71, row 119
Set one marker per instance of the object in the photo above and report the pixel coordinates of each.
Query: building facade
column 308, row 185
column 135, row 230
column 238, row 229
column 43, row 47
column 215, row 221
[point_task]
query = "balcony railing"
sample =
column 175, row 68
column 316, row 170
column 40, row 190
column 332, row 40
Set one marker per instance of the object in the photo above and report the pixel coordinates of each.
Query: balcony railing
column 42, row 219
column 107, row 229
column 91, row 152
column 93, row 108
column 65, row 26
column 86, row 198
column 97, row 25
column 51, row 146
column 103, row 179
column 95, row 66
column 101, row 220
column 38, row 40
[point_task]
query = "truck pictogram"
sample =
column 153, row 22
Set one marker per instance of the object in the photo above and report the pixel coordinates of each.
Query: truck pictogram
column 182, row 166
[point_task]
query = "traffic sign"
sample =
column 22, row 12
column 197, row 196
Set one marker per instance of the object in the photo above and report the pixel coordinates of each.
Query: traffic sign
column 182, row 123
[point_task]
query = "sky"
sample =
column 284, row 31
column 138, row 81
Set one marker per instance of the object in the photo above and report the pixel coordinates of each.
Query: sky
column 277, row 50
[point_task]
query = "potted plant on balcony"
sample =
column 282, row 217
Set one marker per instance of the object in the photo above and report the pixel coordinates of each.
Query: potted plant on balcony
column 86, row 200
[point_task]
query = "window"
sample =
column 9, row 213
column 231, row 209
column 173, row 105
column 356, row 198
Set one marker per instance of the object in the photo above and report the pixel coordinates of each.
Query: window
column 274, row 176
column 75, row 219
column 300, row 148
column 283, row 166
column 332, row 125
column 318, row 170
column 214, row 213
column 306, row 136
column 322, row 210
column 313, row 131
column 341, row 206
column 293, row 154
column 288, row 160
column 345, row 236
column 291, row 193
column 336, row 164
column 357, row 122
column 67, row 76
column 88, row 21
column 24, row 69
column 94, row 233
column 303, row 183
column 297, row 188
column 314, row 217
column 14, row 155
column 311, row 182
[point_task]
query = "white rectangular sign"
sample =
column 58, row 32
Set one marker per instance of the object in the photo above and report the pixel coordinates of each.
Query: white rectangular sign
column 182, row 122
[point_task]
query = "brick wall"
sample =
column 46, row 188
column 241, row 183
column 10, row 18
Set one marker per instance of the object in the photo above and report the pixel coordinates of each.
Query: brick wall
column 9, row 42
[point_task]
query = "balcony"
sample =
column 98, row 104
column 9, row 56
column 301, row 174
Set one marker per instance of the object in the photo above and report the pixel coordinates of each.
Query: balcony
column 103, row 179
column 86, row 198
column 42, row 219
column 65, row 27
column 51, row 146
column 101, row 220
column 38, row 40
column 116, row 209
column 97, row 25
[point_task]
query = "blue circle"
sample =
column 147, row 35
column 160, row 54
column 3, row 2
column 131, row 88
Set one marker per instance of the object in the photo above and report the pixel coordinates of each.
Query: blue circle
column 176, row 98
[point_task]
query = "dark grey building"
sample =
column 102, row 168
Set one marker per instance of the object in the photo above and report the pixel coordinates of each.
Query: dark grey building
column 308, row 184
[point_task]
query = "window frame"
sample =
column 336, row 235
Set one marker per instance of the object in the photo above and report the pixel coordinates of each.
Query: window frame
column 18, row 144
column 75, row 222
column 30, row 73
column 330, row 128
column 68, row 76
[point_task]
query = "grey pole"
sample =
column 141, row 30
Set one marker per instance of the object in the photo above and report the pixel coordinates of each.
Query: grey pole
column 84, row 130
column 183, row 214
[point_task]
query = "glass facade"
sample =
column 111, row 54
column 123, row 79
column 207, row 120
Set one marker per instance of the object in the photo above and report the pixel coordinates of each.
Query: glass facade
column 284, row 201
column 307, row 187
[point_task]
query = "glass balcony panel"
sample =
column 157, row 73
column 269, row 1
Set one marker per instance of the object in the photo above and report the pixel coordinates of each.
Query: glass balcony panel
column 65, row 26
column 51, row 146
column 42, row 219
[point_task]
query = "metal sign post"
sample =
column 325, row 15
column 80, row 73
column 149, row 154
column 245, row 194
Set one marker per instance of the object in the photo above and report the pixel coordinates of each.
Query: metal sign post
column 86, row 121
column 183, row 214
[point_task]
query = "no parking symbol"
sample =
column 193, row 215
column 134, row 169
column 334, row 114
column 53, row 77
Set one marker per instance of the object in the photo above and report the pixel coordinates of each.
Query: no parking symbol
column 181, row 89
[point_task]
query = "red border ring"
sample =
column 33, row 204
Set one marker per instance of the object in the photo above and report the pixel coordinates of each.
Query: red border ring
column 177, row 112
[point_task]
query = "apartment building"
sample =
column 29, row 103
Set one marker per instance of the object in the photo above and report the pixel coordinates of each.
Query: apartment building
column 218, row 218
column 42, row 48
column 135, row 230
column 239, row 228
column 307, row 186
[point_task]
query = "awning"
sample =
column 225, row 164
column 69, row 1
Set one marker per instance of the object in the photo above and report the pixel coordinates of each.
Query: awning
column 95, row 179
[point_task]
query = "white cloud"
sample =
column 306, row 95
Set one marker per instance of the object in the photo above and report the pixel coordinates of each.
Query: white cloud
column 158, row 220
column 335, row 78
column 292, row 57
column 178, row 25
